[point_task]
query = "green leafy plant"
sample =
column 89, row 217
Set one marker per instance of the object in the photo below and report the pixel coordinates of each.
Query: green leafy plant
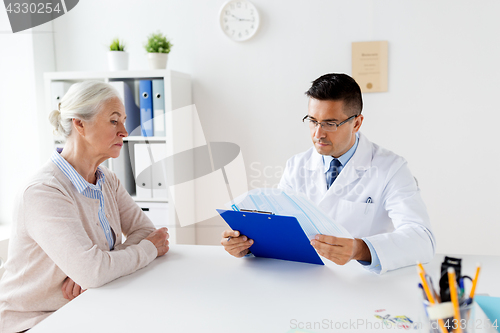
column 116, row 45
column 158, row 43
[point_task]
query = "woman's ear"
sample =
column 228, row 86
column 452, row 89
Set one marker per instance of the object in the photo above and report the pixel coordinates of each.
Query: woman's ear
column 79, row 126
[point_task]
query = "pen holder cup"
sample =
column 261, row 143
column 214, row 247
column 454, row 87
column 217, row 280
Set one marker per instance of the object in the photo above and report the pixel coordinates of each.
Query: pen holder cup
column 444, row 311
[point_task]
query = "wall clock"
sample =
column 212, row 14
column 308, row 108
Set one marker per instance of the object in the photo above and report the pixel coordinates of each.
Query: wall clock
column 239, row 20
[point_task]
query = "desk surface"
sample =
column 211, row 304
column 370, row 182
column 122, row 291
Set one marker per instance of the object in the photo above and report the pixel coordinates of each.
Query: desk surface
column 198, row 288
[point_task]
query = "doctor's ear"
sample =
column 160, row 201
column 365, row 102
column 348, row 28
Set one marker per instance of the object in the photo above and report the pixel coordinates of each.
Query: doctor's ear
column 357, row 122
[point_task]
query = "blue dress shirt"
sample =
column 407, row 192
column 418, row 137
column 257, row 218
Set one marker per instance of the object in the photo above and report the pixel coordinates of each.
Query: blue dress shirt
column 327, row 159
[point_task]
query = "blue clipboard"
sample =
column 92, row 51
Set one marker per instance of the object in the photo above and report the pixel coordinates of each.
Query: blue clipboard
column 274, row 236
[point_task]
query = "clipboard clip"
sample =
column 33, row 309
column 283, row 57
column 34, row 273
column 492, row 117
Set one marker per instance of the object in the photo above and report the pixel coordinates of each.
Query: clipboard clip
column 256, row 211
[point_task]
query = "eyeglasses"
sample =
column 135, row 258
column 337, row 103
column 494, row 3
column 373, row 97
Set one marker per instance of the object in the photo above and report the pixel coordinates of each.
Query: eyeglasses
column 327, row 126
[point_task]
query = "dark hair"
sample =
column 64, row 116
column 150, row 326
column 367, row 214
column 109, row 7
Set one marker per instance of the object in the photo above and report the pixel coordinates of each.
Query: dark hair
column 338, row 87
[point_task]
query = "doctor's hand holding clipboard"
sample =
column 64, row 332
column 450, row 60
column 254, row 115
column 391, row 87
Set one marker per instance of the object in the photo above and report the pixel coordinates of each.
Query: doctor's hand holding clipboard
column 235, row 244
column 337, row 249
column 341, row 250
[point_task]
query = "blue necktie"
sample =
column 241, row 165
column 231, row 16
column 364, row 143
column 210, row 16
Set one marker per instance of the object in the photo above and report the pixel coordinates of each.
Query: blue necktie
column 333, row 172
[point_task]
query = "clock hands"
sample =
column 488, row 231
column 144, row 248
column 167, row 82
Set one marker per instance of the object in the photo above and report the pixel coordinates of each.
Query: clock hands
column 236, row 17
column 240, row 19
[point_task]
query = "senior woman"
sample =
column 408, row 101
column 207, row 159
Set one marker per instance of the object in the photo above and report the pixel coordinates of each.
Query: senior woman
column 69, row 219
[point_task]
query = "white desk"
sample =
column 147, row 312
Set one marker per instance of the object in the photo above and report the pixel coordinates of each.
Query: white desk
column 198, row 288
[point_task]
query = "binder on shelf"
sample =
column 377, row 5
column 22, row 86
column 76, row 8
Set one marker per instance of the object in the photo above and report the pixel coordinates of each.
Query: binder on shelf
column 158, row 108
column 122, row 167
column 146, row 104
column 159, row 173
column 133, row 123
column 143, row 176
column 292, row 243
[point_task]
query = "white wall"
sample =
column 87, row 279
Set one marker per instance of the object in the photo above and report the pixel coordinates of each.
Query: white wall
column 23, row 58
column 439, row 112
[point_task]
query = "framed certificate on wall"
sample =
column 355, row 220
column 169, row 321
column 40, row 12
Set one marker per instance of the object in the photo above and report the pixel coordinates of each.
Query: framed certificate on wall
column 369, row 65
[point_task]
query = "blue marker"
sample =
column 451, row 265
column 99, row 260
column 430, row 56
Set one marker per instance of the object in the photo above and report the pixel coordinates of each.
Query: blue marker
column 461, row 285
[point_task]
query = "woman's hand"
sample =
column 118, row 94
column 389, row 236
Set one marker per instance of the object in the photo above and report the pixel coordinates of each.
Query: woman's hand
column 70, row 289
column 159, row 238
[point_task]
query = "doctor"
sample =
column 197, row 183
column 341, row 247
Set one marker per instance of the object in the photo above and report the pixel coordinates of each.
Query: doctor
column 365, row 188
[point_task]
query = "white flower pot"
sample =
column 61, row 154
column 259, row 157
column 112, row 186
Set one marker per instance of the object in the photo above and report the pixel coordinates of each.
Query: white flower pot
column 157, row 60
column 117, row 60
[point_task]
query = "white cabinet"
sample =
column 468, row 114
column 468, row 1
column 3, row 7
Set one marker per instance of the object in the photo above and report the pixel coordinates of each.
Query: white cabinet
column 177, row 94
column 156, row 211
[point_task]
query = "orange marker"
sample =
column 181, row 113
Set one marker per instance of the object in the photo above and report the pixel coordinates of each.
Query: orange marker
column 474, row 282
column 454, row 297
column 420, row 266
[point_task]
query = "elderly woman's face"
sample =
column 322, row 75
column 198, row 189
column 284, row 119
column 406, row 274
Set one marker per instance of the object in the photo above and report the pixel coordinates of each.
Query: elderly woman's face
column 105, row 134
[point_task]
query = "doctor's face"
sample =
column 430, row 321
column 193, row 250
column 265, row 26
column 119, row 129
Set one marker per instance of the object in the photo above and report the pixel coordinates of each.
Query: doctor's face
column 340, row 141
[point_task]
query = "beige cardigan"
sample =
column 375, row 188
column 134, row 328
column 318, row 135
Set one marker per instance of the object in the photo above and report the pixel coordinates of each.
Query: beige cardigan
column 56, row 233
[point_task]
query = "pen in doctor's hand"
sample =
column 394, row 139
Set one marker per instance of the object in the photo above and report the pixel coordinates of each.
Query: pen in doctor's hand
column 235, row 235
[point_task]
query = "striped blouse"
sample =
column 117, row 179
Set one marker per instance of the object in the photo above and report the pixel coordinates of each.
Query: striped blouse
column 91, row 191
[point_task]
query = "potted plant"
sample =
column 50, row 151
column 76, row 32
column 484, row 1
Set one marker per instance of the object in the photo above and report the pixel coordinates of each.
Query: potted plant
column 158, row 48
column 117, row 57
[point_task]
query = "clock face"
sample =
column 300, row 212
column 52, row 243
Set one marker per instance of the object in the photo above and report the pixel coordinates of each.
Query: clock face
column 239, row 20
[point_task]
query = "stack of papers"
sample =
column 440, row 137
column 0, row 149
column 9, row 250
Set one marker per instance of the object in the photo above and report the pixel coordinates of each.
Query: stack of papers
column 311, row 218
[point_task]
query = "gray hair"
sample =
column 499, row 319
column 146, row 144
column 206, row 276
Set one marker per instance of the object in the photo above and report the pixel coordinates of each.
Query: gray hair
column 82, row 101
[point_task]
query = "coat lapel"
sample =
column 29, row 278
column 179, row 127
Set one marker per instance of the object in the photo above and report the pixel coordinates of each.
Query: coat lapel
column 355, row 169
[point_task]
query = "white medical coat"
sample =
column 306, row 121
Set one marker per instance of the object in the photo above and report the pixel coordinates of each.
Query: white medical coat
column 396, row 222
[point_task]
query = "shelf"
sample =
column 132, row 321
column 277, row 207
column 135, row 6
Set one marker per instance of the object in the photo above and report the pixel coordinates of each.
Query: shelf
column 145, row 138
column 129, row 74
column 165, row 200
